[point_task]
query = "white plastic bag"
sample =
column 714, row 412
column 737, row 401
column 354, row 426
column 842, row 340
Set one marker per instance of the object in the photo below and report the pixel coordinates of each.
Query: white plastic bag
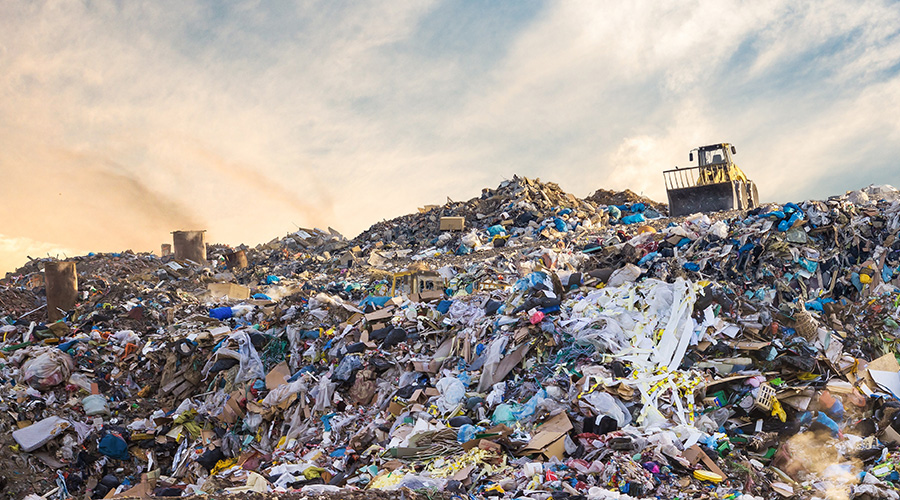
column 606, row 405
column 452, row 393
column 251, row 367
column 47, row 370
column 95, row 404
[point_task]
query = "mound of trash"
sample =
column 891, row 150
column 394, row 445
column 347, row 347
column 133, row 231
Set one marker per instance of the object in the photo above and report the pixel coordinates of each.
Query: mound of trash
column 523, row 344
column 627, row 197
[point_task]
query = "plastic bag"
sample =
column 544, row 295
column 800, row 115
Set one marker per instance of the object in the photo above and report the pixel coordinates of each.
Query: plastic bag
column 81, row 380
column 719, row 229
column 126, row 336
column 605, row 404
column 347, row 367
column 414, row 482
column 492, row 359
column 452, row 393
column 220, row 313
column 252, row 421
column 95, row 404
column 471, row 240
column 496, row 395
column 625, row 274
column 633, row 219
column 510, row 413
column 47, row 370
column 323, row 394
column 251, row 366
column 467, row 432
column 504, row 414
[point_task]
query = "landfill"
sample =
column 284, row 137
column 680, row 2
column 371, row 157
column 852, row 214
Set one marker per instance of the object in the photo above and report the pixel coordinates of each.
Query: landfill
column 523, row 344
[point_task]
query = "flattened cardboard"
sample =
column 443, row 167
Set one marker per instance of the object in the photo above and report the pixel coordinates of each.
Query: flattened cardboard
column 886, row 363
column 557, row 423
column 463, row 474
column 506, row 365
column 749, row 346
column 232, row 410
column 278, row 375
column 555, row 448
column 889, row 435
column 550, row 438
column 426, row 296
column 472, row 443
column 696, row 454
column 383, row 313
column 230, row 290
column 486, row 445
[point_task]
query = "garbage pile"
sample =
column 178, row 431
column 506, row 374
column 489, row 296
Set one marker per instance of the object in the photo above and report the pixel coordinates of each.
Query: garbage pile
column 547, row 349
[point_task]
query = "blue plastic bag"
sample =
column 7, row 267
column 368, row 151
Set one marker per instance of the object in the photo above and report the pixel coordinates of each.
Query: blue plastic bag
column 113, row 446
column 647, row 258
column 467, row 432
column 633, row 219
column 221, row 313
column 560, row 225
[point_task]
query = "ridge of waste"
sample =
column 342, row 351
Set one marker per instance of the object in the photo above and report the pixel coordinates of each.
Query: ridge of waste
column 538, row 346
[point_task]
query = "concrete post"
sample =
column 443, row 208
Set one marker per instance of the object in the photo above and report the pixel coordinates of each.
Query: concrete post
column 61, row 284
column 190, row 245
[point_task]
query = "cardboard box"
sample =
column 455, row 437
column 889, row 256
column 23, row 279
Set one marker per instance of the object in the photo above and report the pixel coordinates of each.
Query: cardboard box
column 396, row 408
column 453, row 223
column 229, row 290
column 426, row 366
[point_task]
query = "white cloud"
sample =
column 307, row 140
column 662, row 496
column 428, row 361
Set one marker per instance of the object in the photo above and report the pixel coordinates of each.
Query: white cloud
column 15, row 251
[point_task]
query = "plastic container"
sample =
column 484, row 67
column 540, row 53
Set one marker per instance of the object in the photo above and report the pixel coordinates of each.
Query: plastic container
column 764, row 397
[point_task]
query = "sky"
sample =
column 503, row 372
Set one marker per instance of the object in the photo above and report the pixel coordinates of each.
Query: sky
column 123, row 121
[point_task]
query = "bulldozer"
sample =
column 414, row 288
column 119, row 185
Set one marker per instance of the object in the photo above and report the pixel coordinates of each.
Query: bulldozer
column 715, row 184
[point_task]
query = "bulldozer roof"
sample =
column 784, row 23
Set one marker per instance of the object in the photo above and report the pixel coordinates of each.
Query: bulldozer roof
column 722, row 145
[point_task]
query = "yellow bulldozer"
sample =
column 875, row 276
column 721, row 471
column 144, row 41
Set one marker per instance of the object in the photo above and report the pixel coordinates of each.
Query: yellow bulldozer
column 715, row 184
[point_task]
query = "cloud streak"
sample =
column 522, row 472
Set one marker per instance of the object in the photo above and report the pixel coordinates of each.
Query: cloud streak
column 122, row 122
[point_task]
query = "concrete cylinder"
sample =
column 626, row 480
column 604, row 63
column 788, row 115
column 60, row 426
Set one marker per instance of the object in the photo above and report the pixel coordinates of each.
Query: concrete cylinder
column 61, row 284
column 190, row 245
column 236, row 259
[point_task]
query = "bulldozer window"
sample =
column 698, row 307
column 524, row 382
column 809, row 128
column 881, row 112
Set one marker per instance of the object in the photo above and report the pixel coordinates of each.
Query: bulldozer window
column 711, row 157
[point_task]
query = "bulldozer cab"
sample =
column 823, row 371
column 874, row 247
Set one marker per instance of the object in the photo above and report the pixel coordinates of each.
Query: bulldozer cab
column 716, row 164
column 715, row 184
